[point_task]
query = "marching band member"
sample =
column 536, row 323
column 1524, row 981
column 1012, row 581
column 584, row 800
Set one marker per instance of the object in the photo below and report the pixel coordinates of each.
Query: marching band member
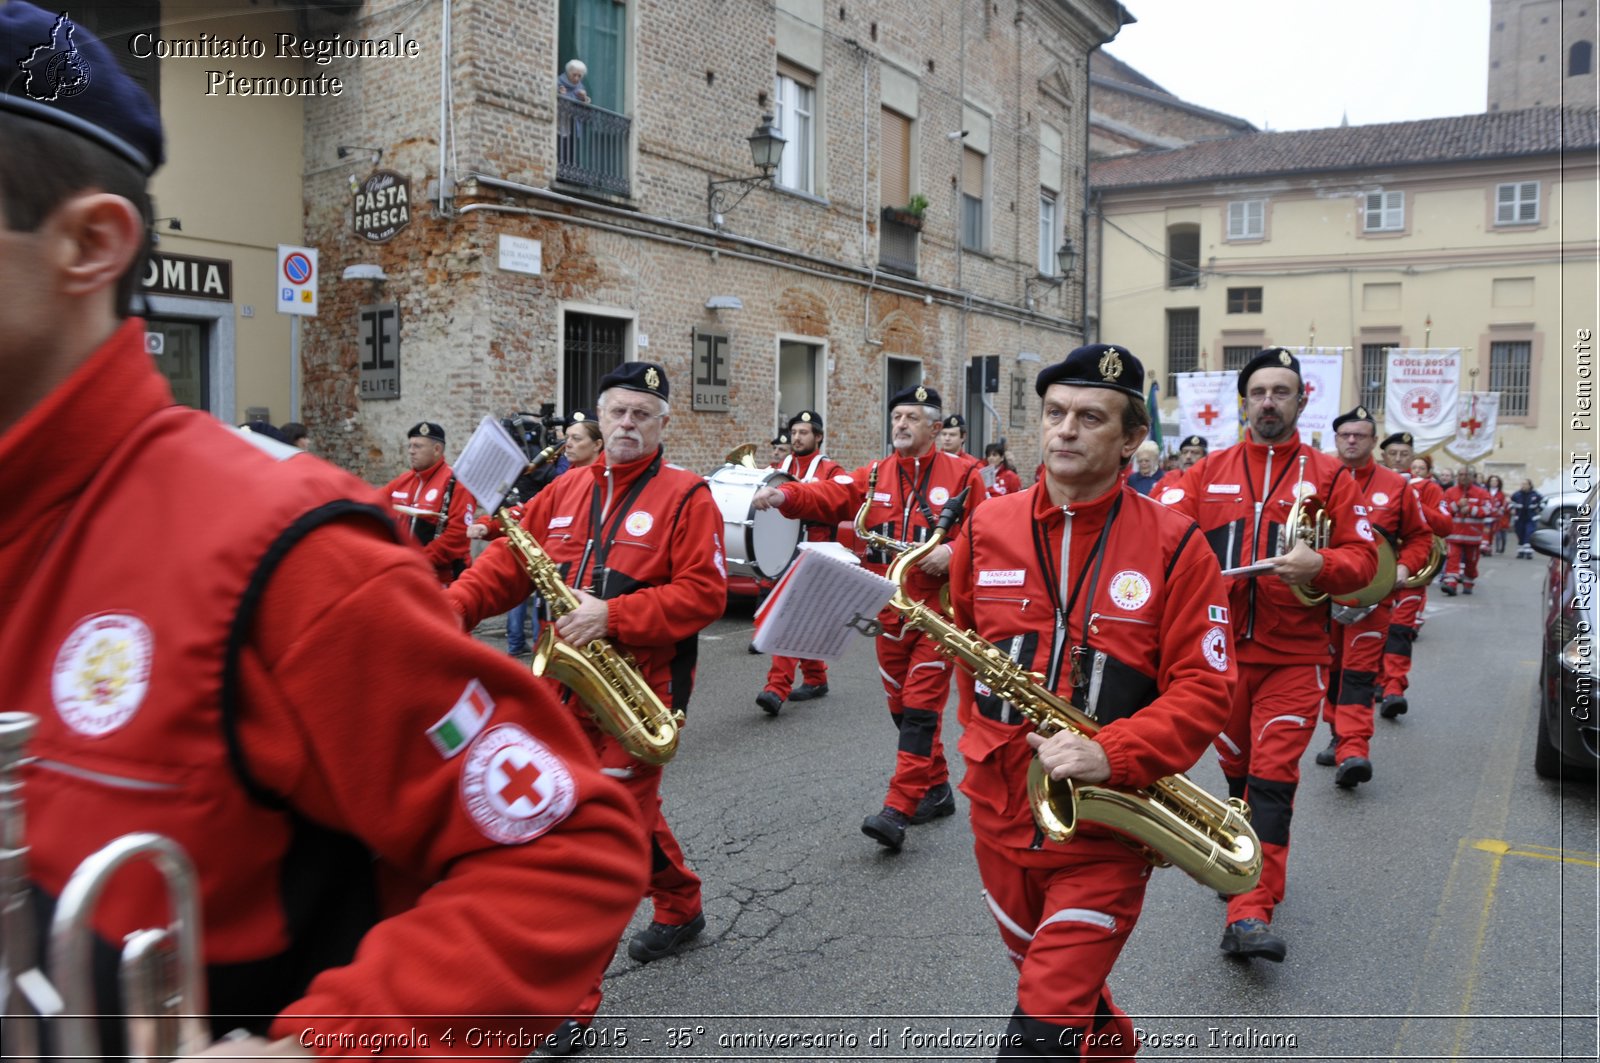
column 1240, row 497
column 430, row 485
column 1191, row 450
column 808, row 464
column 222, row 687
column 1470, row 506
column 640, row 543
column 1406, row 616
column 913, row 484
column 953, row 441
column 1102, row 584
column 1393, row 511
column 780, row 450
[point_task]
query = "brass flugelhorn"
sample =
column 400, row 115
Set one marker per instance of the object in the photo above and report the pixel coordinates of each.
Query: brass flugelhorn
column 605, row 678
column 162, row 977
column 1424, row 575
column 1183, row 824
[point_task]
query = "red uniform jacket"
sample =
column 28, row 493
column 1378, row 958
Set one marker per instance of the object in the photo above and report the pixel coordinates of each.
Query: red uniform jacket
column 1166, row 483
column 1470, row 507
column 655, row 553
column 219, row 689
column 443, row 538
column 906, row 503
column 1395, row 510
column 1240, row 497
column 1155, row 665
column 1430, row 496
column 1005, row 482
column 810, row 469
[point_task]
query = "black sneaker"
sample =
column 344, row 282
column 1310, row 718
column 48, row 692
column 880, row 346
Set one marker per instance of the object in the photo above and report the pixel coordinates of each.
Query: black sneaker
column 1325, row 757
column 1393, row 705
column 663, row 939
column 887, row 828
column 805, row 692
column 1449, row 589
column 770, row 703
column 1352, row 770
column 566, row 1039
column 938, row 801
column 1253, row 937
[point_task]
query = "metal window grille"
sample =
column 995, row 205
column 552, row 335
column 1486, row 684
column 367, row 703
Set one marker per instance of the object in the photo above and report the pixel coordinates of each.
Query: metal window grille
column 1236, row 358
column 897, row 246
column 1510, row 373
column 1183, row 345
column 1372, row 369
column 592, row 348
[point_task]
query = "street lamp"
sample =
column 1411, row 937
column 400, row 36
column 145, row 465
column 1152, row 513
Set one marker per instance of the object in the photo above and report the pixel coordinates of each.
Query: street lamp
column 1066, row 261
column 766, row 152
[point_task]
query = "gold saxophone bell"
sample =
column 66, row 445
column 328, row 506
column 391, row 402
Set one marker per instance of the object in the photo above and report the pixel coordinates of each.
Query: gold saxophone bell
column 161, row 972
column 1424, row 575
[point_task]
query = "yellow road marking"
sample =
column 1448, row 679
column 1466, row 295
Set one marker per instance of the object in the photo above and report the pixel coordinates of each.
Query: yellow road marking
column 1538, row 852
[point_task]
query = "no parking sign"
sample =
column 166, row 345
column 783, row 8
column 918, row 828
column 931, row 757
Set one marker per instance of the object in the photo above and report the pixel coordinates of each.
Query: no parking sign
column 296, row 280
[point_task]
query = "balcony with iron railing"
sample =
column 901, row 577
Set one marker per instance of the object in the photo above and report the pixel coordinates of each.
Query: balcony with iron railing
column 592, row 147
column 897, row 241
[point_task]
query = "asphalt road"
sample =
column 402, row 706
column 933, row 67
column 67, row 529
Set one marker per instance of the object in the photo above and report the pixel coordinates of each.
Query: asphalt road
column 1446, row 910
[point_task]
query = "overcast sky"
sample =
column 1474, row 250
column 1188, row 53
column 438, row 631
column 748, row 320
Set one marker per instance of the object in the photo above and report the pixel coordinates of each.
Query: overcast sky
column 1304, row 64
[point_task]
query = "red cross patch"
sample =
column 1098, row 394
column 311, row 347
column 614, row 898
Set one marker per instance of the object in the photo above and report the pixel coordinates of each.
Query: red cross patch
column 513, row 787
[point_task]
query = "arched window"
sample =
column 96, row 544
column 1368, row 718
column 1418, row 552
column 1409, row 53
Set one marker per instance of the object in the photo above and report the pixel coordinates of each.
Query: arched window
column 1580, row 59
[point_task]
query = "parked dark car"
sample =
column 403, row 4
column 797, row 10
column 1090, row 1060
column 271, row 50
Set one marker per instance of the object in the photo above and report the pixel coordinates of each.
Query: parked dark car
column 1569, row 718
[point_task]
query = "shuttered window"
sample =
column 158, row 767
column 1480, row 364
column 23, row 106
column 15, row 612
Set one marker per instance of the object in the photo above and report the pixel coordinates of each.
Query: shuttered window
column 1516, row 203
column 974, row 234
column 894, row 162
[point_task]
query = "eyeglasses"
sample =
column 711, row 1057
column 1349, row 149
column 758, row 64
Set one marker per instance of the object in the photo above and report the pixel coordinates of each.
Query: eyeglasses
column 620, row 413
column 1354, row 437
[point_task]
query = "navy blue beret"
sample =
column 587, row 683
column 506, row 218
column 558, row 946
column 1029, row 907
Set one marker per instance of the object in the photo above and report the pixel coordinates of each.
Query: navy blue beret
column 1360, row 413
column 916, row 395
column 1098, row 365
column 1271, row 358
column 1398, row 437
column 810, row 417
column 955, row 420
column 1195, row 441
column 427, row 430
column 647, row 377
column 56, row 71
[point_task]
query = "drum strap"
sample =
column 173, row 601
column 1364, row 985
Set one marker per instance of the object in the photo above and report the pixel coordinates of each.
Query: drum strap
column 601, row 546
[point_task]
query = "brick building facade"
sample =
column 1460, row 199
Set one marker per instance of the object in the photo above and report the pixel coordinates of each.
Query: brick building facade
column 1542, row 53
column 977, row 108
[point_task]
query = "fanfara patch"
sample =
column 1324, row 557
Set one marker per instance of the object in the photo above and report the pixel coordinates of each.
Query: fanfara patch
column 102, row 672
column 842, row 478
column 513, row 787
column 432, row 494
column 1380, row 499
column 882, row 496
column 1001, row 577
column 560, row 522
column 939, row 496
column 1214, row 644
column 1171, row 495
column 639, row 522
column 1130, row 589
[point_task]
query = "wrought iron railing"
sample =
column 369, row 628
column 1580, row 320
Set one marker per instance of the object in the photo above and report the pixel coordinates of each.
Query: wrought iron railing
column 592, row 146
column 897, row 246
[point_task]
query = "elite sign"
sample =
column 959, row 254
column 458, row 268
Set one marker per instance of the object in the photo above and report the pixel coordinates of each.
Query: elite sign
column 297, row 280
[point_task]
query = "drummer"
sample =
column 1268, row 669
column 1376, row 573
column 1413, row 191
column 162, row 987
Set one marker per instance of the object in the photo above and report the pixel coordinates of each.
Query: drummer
column 431, row 505
column 913, row 485
column 808, row 464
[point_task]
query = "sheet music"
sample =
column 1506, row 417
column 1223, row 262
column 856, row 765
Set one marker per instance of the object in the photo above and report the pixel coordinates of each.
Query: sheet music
column 1260, row 568
column 810, row 612
column 490, row 464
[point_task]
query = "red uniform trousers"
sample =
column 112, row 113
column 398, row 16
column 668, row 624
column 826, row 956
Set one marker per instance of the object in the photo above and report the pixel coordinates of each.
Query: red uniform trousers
column 1064, row 915
column 1275, row 709
column 780, row 676
column 916, row 680
column 1357, row 656
column 1462, row 564
column 1403, row 624
column 674, row 889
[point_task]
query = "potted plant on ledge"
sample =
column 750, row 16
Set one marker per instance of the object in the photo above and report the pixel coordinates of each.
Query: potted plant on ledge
column 909, row 215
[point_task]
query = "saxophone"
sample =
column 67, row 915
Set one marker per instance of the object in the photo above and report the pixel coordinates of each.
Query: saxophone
column 607, row 679
column 1183, row 824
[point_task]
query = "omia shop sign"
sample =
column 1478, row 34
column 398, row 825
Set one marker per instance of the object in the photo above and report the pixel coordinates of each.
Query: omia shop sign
column 382, row 206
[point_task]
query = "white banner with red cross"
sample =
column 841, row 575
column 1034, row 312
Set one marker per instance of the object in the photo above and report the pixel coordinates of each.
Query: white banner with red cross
column 1322, row 372
column 1477, row 418
column 1421, row 389
column 1208, row 406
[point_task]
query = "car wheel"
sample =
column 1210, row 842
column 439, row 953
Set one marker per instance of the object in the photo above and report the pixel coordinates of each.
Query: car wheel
column 1559, row 518
column 1546, row 757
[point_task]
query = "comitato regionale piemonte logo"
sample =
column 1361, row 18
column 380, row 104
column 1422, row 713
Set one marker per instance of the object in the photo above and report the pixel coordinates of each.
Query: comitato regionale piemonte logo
column 56, row 69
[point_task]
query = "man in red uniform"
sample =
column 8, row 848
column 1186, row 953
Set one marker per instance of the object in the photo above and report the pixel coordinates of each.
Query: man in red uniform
column 913, row 484
column 1393, row 511
column 640, row 543
column 430, row 486
column 808, row 464
column 1120, row 605
column 1241, row 497
column 218, row 686
column 780, row 450
column 1470, row 506
column 1405, row 617
column 1191, row 450
column 953, row 441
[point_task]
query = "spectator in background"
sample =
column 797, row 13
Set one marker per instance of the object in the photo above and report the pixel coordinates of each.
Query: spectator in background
column 999, row 475
column 1525, row 507
column 1147, row 467
column 1499, row 515
column 296, row 435
column 1446, row 478
column 570, row 83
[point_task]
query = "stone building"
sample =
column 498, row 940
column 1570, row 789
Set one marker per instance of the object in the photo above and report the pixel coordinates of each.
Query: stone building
column 933, row 166
column 1542, row 53
column 1128, row 112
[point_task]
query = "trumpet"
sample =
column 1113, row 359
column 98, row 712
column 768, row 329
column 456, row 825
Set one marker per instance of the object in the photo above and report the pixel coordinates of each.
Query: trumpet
column 162, row 977
column 1181, row 823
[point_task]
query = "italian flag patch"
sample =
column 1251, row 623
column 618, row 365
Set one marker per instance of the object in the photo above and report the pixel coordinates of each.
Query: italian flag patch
column 458, row 727
column 1216, row 614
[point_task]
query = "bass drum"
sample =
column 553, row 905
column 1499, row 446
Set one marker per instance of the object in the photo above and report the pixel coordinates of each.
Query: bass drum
column 759, row 544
